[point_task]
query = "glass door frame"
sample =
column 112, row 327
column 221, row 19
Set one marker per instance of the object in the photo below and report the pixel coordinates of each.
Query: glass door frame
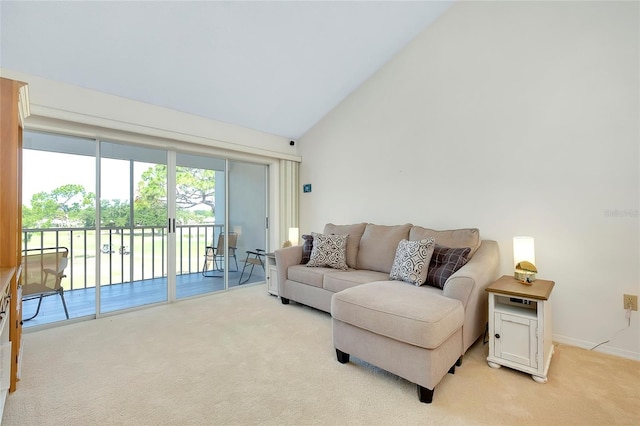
column 131, row 155
column 171, row 226
column 171, row 150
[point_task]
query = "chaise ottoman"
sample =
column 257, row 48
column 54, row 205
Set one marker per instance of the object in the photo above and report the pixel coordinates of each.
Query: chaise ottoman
column 408, row 330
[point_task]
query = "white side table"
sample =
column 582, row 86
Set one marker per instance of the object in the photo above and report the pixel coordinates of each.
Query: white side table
column 520, row 326
column 272, row 275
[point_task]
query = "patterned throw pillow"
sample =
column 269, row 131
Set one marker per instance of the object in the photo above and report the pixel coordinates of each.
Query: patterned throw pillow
column 329, row 250
column 444, row 262
column 412, row 261
column 306, row 248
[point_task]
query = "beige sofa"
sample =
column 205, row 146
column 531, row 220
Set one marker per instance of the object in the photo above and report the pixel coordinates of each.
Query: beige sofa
column 417, row 332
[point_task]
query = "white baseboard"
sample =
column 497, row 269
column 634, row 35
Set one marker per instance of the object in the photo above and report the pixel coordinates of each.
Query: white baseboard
column 623, row 353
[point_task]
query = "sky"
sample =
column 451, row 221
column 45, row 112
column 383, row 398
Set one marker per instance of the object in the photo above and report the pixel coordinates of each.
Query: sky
column 45, row 171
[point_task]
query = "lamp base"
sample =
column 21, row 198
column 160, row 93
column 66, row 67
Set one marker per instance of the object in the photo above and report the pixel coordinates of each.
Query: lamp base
column 525, row 277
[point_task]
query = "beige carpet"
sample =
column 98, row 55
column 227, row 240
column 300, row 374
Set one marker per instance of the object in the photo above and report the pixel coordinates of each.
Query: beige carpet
column 242, row 358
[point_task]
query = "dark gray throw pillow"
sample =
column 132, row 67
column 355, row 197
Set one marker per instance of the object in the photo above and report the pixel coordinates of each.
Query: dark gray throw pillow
column 306, row 248
column 444, row 262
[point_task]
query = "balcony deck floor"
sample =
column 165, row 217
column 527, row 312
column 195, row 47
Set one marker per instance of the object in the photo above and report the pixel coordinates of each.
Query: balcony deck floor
column 81, row 302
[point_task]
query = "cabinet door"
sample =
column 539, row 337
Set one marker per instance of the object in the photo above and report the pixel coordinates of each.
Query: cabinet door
column 272, row 280
column 515, row 339
column 5, row 351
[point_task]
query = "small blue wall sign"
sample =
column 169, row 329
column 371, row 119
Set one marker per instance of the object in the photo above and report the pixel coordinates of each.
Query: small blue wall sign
column 306, row 187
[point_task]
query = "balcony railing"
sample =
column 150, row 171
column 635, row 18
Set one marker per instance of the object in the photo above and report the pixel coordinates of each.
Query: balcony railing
column 125, row 254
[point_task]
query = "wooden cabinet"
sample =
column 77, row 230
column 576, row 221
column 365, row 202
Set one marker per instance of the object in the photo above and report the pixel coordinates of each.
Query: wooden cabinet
column 6, row 276
column 15, row 108
column 520, row 326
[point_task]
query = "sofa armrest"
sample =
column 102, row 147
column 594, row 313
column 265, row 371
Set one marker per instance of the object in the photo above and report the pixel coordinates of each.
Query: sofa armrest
column 480, row 271
column 468, row 286
column 286, row 257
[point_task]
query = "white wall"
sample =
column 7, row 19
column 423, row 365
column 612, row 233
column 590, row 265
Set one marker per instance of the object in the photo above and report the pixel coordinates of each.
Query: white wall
column 514, row 117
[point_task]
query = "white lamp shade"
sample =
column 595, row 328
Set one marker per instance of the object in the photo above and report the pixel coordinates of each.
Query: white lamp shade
column 523, row 250
column 294, row 236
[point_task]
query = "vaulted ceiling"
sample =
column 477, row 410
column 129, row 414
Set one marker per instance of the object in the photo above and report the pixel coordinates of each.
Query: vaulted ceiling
column 272, row 66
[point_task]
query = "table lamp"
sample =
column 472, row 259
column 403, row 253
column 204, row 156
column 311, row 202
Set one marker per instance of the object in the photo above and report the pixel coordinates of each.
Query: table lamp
column 524, row 259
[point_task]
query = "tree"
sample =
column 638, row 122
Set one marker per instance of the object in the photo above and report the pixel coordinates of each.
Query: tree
column 72, row 203
column 114, row 213
column 29, row 217
column 64, row 205
column 194, row 187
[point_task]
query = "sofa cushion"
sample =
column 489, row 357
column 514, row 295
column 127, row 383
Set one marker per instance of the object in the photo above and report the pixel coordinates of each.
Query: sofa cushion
column 306, row 248
column 336, row 281
column 406, row 313
column 378, row 246
column 353, row 242
column 412, row 261
column 445, row 261
column 309, row 276
column 466, row 237
column 329, row 250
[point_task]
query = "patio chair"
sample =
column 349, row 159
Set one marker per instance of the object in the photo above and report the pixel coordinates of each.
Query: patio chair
column 214, row 256
column 254, row 257
column 42, row 274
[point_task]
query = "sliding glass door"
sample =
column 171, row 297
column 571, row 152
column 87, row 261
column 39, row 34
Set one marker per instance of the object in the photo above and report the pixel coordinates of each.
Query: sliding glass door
column 59, row 214
column 130, row 240
column 248, row 219
column 221, row 211
column 133, row 226
column 201, row 255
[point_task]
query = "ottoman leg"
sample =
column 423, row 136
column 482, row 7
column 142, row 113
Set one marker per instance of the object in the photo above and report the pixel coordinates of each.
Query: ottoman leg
column 343, row 358
column 425, row 395
column 458, row 363
column 284, row 300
